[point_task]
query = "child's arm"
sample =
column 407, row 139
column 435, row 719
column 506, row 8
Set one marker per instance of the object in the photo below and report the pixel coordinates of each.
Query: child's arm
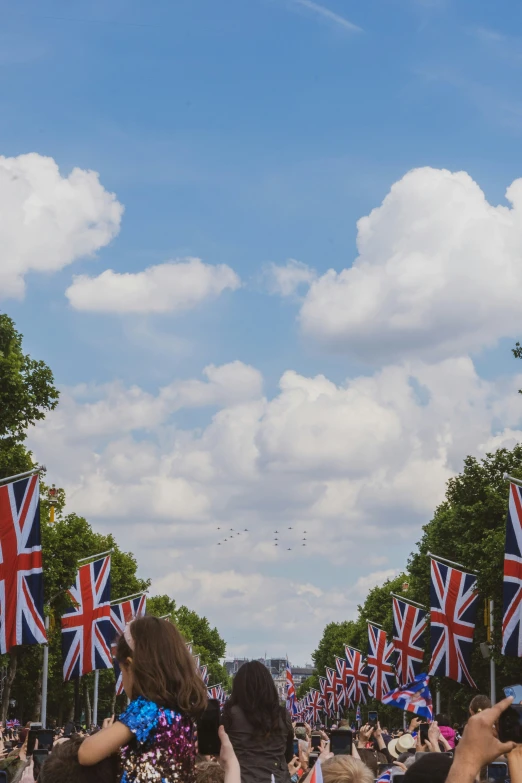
column 104, row 743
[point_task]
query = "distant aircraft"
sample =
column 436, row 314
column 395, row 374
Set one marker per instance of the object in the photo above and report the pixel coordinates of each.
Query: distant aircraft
column 276, row 544
column 246, row 530
column 226, row 539
column 276, row 531
column 231, row 528
column 290, row 528
column 304, row 531
column 219, row 528
column 219, row 543
column 288, row 550
column 304, row 544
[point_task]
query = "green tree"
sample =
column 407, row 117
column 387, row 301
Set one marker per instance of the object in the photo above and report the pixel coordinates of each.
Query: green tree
column 27, row 389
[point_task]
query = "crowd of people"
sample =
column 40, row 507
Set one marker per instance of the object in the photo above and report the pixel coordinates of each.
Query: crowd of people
column 156, row 739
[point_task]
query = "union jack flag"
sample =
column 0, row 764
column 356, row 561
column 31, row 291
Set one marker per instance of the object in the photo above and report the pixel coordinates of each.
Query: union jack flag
column 453, row 599
column 385, row 777
column 344, row 682
column 332, row 704
column 203, row 673
column 315, row 705
column 511, row 623
column 323, row 689
column 379, row 662
column 217, row 692
column 414, row 697
column 121, row 615
column 356, row 669
column 87, row 630
column 21, row 581
column 409, row 637
column 291, row 705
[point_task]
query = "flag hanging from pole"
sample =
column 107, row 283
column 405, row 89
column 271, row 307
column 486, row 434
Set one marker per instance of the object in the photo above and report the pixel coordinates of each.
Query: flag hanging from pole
column 512, row 619
column 414, row 697
column 379, row 663
column 291, row 705
column 21, row 579
column 409, row 637
column 87, row 631
column 122, row 612
column 357, row 671
column 453, row 600
column 344, row 683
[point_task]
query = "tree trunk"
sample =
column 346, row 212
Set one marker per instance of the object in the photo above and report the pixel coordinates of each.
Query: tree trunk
column 88, row 711
column 11, row 674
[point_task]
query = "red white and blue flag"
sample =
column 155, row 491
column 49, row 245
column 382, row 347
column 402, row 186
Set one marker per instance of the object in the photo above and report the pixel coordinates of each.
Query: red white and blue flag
column 314, row 705
column 332, row 704
column 453, row 600
column 317, row 773
column 344, row 683
column 512, row 619
column 380, row 662
column 385, row 777
column 203, row 673
column 122, row 613
column 414, row 697
column 356, row 669
column 21, row 581
column 291, row 704
column 87, row 631
column 409, row 638
column 217, row 692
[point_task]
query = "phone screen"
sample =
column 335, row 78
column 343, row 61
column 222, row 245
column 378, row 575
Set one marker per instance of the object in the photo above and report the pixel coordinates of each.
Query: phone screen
column 312, row 758
column 209, row 743
column 373, row 718
column 316, row 741
column 423, row 731
column 497, row 771
column 296, row 747
column 341, row 743
column 45, row 739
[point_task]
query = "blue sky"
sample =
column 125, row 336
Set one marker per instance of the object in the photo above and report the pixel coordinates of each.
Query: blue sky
column 247, row 133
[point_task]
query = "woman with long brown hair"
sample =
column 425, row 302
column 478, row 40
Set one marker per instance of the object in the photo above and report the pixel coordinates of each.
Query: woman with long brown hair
column 259, row 728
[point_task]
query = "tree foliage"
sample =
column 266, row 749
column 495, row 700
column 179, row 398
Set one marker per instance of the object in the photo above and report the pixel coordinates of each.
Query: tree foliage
column 27, row 389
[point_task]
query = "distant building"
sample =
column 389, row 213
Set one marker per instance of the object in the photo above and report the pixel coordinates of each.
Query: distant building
column 277, row 668
column 234, row 666
column 300, row 674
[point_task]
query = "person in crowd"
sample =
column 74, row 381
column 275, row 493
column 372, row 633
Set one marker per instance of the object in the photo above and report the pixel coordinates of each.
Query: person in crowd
column 210, row 772
column 479, row 703
column 480, row 746
column 260, row 729
column 371, row 747
column 445, row 729
column 429, row 768
column 63, row 766
column 346, row 769
column 155, row 736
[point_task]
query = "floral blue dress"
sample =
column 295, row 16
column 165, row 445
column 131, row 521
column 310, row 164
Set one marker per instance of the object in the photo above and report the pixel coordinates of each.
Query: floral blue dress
column 163, row 748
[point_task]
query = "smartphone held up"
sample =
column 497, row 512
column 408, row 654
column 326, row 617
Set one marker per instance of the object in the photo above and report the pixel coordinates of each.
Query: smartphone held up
column 209, row 743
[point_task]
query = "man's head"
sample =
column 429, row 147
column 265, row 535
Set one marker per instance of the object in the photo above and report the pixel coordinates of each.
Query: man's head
column 210, row 772
column 63, row 766
column 479, row 704
column 431, row 768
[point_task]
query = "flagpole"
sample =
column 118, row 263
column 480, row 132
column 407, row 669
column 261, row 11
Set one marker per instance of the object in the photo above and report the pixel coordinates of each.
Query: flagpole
column 37, row 469
column 91, row 557
column 409, row 601
column 95, row 700
column 128, row 597
column 45, row 676
column 512, row 479
column 450, row 562
column 492, row 667
column 437, row 700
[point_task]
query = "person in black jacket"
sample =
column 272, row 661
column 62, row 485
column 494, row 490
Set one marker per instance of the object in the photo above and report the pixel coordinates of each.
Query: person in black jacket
column 259, row 728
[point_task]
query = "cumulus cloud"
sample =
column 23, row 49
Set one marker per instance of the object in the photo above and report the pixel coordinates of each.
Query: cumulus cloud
column 439, row 273
column 171, row 287
column 286, row 280
column 47, row 220
column 359, row 465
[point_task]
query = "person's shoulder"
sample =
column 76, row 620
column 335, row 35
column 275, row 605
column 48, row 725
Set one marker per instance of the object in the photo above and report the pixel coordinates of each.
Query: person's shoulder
column 140, row 717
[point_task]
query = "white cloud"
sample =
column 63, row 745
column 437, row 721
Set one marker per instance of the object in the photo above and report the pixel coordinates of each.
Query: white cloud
column 47, row 221
column 439, row 273
column 286, row 280
column 359, row 466
column 171, row 287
